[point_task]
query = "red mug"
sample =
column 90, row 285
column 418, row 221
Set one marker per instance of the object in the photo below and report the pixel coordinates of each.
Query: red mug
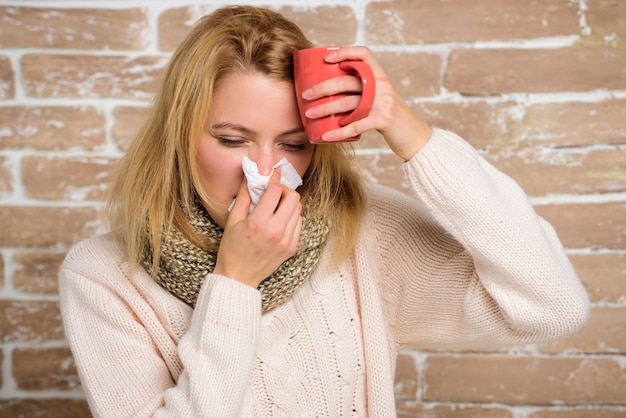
column 309, row 69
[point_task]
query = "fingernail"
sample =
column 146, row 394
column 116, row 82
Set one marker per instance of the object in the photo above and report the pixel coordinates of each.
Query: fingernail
column 328, row 136
column 331, row 56
column 311, row 113
column 307, row 93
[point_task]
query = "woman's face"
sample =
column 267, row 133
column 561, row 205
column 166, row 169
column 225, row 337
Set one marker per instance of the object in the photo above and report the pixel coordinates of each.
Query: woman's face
column 254, row 116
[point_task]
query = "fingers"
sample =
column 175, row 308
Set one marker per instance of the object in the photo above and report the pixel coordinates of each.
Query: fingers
column 296, row 230
column 361, row 53
column 277, row 198
column 241, row 207
column 279, row 209
column 271, row 197
column 334, row 107
column 346, row 89
column 335, row 85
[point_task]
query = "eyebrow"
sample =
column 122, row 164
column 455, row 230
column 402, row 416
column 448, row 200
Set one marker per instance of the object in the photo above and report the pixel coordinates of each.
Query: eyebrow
column 240, row 128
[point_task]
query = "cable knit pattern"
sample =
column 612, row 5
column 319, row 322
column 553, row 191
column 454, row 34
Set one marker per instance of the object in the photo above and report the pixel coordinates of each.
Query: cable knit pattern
column 463, row 263
column 324, row 311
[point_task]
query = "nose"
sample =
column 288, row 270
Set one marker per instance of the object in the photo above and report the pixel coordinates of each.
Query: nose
column 265, row 158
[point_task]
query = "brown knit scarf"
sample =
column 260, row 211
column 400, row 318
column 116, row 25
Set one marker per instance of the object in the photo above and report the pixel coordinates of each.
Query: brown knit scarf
column 183, row 266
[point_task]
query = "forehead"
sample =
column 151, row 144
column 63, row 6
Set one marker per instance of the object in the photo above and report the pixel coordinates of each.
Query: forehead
column 254, row 101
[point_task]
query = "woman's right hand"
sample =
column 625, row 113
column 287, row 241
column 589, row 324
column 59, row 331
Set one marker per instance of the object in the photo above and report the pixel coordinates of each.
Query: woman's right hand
column 255, row 244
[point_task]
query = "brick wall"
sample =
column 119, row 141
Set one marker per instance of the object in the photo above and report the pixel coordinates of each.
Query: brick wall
column 539, row 87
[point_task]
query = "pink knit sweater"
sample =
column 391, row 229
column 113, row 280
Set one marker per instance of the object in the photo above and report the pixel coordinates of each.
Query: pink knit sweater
column 465, row 263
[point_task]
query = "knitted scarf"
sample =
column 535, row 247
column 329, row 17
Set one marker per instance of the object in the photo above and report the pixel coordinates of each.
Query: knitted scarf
column 183, row 266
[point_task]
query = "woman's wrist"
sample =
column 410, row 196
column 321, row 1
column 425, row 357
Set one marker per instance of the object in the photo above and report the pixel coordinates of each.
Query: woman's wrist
column 408, row 134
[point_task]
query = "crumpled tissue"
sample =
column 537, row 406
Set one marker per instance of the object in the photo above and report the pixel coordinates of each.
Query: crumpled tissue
column 258, row 183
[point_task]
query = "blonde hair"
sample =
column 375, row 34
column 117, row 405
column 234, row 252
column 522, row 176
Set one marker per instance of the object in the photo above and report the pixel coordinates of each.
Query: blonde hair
column 157, row 180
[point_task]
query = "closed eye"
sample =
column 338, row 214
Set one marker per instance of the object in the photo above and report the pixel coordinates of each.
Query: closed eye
column 230, row 141
column 295, row 146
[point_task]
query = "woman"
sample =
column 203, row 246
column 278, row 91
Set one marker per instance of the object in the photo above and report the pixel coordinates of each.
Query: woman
column 299, row 306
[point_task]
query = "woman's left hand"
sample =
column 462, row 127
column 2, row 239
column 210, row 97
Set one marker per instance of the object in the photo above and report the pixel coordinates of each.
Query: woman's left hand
column 403, row 130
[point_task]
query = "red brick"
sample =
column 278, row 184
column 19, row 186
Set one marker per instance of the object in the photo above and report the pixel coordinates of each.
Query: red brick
column 606, row 18
column 573, row 123
column 497, row 71
column 6, row 177
column 413, row 74
column 539, row 172
column 127, row 122
column 176, row 23
column 25, row 27
column 481, row 124
column 406, row 409
column 496, row 125
column 371, row 140
column 44, row 369
column 48, row 408
column 323, row 25
column 582, row 412
column 603, row 275
column 605, row 332
column 544, row 171
column 407, row 377
column 432, row 21
column 37, row 272
column 66, row 178
column 91, row 75
column 44, row 227
column 525, row 380
column 383, row 168
column 29, row 321
column 588, row 225
column 7, row 81
column 51, row 128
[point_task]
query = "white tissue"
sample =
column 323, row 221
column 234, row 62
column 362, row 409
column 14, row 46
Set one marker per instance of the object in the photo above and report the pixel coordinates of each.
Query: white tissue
column 258, row 183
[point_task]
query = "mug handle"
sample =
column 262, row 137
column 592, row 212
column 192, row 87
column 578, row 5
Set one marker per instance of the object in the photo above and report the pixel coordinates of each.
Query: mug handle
column 366, row 75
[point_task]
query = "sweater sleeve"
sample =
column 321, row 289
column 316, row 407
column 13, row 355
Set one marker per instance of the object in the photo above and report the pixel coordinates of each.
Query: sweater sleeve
column 122, row 366
column 479, row 268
